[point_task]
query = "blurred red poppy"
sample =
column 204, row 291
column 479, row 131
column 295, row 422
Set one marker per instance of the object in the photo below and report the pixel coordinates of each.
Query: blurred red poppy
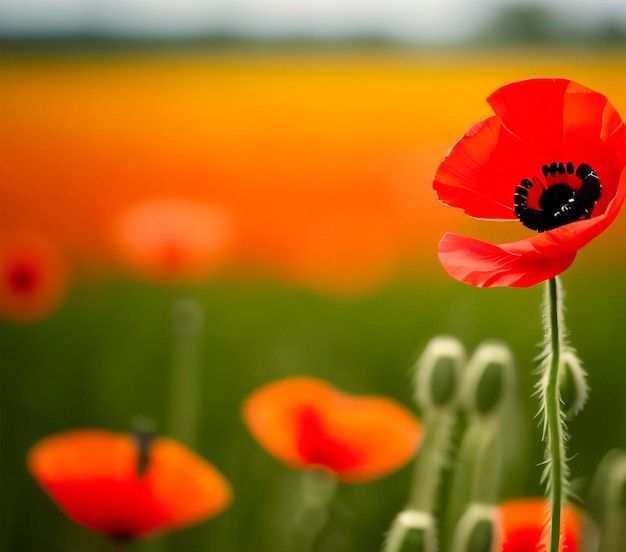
column 33, row 276
column 552, row 157
column 523, row 522
column 305, row 422
column 174, row 239
column 98, row 479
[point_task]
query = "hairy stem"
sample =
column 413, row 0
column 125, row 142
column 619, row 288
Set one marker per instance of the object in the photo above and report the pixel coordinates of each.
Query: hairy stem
column 554, row 433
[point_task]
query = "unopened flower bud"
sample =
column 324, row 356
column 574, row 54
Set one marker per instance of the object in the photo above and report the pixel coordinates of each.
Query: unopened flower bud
column 438, row 371
column 477, row 530
column 572, row 384
column 488, row 378
column 412, row 531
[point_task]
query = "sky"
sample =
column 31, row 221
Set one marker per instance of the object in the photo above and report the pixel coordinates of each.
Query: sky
column 404, row 19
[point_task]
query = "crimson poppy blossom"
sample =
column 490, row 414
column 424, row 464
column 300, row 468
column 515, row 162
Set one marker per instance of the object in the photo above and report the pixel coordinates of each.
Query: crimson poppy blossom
column 306, row 422
column 33, row 276
column 173, row 239
column 553, row 157
column 523, row 521
column 127, row 486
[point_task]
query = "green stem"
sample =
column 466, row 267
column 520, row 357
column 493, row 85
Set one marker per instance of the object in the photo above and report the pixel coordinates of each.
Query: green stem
column 186, row 378
column 318, row 488
column 430, row 461
column 554, row 422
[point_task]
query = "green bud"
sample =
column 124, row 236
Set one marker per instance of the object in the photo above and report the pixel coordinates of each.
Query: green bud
column 488, row 378
column 607, row 500
column 477, row 530
column 572, row 384
column 444, row 381
column 481, row 537
column 412, row 531
column 437, row 372
column 616, row 482
column 490, row 388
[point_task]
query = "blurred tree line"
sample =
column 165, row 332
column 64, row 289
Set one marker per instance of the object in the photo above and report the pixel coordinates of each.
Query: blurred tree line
column 537, row 23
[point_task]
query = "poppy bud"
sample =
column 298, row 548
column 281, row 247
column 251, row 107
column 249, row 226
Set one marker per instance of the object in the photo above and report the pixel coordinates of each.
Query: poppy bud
column 488, row 378
column 572, row 384
column 437, row 372
column 412, row 531
column 477, row 530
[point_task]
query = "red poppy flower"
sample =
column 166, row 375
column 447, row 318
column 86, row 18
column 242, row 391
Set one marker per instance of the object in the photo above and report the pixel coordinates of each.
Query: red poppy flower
column 97, row 477
column 523, row 522
column 306, row 422
column 175, row 239
column 552, row 157
column 33, row 276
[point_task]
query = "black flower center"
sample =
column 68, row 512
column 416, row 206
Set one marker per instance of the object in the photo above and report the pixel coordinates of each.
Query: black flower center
column 560, row 203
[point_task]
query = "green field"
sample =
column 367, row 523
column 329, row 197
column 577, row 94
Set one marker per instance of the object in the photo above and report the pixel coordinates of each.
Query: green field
column 105, row 359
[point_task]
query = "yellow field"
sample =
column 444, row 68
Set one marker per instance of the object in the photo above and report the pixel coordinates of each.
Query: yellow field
column 325, row 162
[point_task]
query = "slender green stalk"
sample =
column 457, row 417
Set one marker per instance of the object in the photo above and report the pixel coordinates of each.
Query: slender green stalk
column 429, row 463
column 554, row 431
column 186, row 378
column 311, row 513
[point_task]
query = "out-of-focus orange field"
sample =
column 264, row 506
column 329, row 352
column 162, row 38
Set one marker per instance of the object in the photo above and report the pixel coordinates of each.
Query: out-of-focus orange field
column 323, row 162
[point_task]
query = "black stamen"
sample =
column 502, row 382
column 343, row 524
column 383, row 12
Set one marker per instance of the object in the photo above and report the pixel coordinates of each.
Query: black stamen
column 559, row 203
column 554, row 197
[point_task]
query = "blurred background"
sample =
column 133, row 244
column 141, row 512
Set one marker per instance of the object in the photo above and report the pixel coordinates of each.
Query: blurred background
column 271, row 162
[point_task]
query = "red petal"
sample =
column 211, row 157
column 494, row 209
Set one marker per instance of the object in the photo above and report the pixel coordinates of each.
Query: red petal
column 480, row 173
column 318, row 447
column 533, row 110
column 482, row 264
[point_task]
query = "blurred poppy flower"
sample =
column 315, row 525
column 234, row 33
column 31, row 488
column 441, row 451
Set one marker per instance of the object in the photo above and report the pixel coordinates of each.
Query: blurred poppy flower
column 126, row 486
column 33, row 276
column 305, row 422
column 552, row 157
column 174, row 239
column 523, row 521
